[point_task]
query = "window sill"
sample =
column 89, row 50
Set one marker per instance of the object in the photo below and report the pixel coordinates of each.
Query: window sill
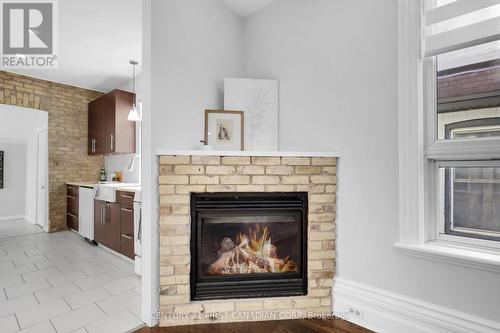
column 464, row 256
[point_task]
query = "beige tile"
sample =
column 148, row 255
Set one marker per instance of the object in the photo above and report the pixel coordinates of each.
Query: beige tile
column 120, row 302
column 42, row 312
column 54, row 293
column 9, row 324
column 86, row 297
column 123, row 321
column 44, row 327
column 26, row 288
column 74, row 320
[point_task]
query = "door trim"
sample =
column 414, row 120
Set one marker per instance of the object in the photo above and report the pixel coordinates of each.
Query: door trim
column 42, row 134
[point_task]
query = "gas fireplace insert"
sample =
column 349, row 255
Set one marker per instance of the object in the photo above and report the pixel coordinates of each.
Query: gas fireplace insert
column 246, row 245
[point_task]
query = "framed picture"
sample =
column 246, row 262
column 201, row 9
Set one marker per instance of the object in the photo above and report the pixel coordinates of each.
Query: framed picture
column 225, row 130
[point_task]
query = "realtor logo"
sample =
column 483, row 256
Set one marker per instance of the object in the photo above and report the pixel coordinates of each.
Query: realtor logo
column 28, row 34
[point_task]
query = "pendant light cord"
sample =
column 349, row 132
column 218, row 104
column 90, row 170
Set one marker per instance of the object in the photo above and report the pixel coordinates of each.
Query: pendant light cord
column 133, row 85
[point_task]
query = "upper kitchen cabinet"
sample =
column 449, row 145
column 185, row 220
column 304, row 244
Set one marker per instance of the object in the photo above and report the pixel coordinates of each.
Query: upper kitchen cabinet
column 110, row 132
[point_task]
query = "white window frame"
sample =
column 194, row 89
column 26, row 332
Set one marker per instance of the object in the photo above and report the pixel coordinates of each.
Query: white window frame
column 421, row 154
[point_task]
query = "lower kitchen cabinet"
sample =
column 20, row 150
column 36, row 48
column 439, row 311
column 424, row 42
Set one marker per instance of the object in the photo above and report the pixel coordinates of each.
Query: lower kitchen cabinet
column 114, row 226
column 99, row 223
column 127, row 231
column 72, row 207
column 113, row 236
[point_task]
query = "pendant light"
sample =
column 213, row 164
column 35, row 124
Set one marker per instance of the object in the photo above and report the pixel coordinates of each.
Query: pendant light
column 133, row 114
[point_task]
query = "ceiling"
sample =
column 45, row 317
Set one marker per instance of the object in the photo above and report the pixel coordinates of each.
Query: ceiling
column 246, row 8
column 96, row 39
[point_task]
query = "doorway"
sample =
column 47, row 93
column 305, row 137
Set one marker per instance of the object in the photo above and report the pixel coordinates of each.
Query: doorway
column 24, row 197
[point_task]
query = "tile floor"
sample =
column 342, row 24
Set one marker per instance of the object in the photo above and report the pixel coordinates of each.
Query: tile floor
column 12, row 228
column 60, row 283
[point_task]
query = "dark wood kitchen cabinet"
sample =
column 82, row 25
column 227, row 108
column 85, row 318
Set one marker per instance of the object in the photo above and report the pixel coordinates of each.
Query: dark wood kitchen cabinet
column 126, row 200
column 107, row 224
column 114, row 223
column 109, row 130
column 99, row 222
column 113, row 236
column 72, row 207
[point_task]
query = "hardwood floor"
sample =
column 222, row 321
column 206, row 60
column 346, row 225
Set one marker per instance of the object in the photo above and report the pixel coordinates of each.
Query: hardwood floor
column 282, row 326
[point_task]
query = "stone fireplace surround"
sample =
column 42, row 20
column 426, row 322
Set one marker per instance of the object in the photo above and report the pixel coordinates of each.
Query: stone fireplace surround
column 183, row 173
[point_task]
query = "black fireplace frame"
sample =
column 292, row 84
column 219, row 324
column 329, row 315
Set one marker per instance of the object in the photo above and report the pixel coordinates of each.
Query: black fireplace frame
column 248, row 285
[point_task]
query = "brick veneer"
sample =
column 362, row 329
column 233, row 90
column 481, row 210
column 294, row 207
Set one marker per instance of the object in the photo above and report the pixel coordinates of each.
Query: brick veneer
column 67, row 109
column 182, row 175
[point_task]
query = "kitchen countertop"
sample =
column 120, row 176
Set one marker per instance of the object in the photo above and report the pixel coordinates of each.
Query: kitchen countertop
column 82, row 184
column 93, row 185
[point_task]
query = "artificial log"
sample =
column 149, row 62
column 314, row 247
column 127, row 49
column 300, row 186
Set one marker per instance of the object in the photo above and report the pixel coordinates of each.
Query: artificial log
column 221, row 264
column 232, row 261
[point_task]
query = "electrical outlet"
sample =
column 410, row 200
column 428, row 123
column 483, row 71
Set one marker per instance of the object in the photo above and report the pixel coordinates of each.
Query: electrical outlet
column 355, row 312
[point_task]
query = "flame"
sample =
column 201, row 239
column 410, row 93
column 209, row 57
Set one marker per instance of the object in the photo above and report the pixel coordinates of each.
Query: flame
column 254, row 253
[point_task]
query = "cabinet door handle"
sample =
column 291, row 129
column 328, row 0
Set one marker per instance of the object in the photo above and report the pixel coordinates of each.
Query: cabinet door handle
column 71, row 215
column 112, row 143
column 127, row 210
column 103, row 215
column 128, row 196
column 107, row 212
column 92, row 145
column 128, row 237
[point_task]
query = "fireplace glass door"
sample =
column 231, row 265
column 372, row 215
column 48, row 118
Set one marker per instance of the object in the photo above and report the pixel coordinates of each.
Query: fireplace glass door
column 248, row 245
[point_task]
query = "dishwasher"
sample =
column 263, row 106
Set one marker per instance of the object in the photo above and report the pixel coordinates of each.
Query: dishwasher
column 86, row 213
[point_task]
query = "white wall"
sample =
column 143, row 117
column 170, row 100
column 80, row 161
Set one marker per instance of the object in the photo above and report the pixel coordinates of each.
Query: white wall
column 189, row 47
column 195, row 44
column 120, row 163
column 337, row 66
column 13, row 195
column 19, row 125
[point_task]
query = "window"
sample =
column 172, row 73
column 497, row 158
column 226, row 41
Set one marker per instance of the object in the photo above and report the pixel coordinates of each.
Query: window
column 461, row 67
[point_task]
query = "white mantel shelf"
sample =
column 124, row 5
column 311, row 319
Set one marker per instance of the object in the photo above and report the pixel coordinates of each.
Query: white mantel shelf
column 246, row 153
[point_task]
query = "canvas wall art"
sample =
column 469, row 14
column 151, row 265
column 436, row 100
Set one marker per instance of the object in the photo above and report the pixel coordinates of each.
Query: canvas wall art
column 258, row 99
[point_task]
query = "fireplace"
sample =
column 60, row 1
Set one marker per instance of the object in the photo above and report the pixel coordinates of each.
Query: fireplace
column 248, row 245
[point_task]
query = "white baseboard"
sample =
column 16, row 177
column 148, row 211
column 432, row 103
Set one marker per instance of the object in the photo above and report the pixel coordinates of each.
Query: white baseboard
column 29, row 219
column 384, row 311
column 16, row 217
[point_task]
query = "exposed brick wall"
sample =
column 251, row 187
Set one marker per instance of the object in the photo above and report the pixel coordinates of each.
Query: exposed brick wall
column 67, row 109
column 472, row 83
column 182, row 175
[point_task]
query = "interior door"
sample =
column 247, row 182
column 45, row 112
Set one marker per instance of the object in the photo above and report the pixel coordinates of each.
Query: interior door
column 42, row 180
